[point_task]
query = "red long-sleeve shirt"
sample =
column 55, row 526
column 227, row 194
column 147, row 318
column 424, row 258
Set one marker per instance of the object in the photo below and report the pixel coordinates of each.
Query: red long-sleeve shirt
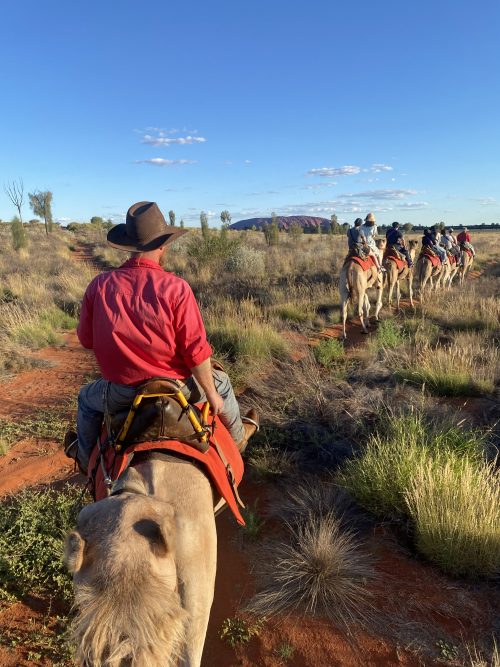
column 463, row 237
column 142, row 322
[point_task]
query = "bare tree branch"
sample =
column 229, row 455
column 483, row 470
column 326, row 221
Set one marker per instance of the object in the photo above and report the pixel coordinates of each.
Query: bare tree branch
column 15, row 192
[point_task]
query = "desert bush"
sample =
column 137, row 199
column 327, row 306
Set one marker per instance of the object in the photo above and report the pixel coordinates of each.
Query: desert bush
column 381, row 476
column 33, row 526
column 320, row 569
column 455, row 506
column 328, row 351
column 212, row 250
column 19, row 239
column 245, row 261
column 389, row 335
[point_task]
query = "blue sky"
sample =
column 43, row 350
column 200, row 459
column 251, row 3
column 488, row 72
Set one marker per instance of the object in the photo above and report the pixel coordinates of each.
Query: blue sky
column 297, row 107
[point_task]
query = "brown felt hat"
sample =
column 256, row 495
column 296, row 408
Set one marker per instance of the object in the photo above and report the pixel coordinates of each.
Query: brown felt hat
column 145, row 229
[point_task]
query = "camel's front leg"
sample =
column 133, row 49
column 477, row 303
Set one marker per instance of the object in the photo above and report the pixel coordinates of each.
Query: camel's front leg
column 344, row 318
column 410, row 289
column 378, row 304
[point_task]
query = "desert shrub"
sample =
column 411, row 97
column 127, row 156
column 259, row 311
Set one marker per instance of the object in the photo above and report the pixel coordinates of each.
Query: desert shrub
column 319, row 569
column 328, row 351
column 238, row 630
column 212, row 250
column 455, row 506
column 33, row 526
column 389, row 335
column 19, row 239
column 245, row 261
column 421, row 331
column 381, row 476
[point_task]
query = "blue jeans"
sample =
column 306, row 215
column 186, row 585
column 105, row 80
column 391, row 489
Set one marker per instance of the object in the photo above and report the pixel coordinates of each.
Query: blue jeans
column 92, row 398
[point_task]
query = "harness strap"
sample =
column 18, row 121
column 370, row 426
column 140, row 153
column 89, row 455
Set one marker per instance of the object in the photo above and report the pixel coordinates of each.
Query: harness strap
column 229, row 471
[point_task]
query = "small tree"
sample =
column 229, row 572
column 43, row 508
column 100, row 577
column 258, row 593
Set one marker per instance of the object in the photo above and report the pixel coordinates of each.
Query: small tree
column 15, row 192
column 204, row 225
column 96, row 220
column 19, row 239
column 295, row 232
column 41, row 204
column 225, row 217
column 407, row 227
column 271, row 233
column 334, row 225
column 181, row 224
column 171, row 216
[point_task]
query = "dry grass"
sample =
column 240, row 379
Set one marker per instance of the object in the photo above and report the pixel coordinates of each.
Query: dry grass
column 455, row 506
column 320, row 569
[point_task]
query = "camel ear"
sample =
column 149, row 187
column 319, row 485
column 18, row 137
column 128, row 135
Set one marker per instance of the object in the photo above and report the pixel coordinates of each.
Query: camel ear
column 158, row 533
column 73, row 551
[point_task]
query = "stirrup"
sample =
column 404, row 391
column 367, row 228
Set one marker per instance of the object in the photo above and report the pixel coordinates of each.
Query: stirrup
column 247, row 420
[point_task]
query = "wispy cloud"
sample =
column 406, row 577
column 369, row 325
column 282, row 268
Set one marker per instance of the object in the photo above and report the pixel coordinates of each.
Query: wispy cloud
column 384, row 194
column 485, row 201
column 377, row 168
column 161, row 162
column 330, row 172
column 161, row 140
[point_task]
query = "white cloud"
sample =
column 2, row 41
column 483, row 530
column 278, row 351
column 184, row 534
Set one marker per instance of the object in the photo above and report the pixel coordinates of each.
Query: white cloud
column 330, row 172
column 384, row 194
column 318, row 186
column 413, row 205
column 161, row 140
column 380, row 167
column 248, row 161
column 161, row 162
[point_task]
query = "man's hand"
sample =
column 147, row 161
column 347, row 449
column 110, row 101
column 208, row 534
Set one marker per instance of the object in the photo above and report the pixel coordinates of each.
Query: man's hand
column 216, row 403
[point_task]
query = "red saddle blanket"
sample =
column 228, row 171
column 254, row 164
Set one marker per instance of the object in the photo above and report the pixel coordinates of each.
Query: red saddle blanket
column 365, row 264
column 224, row 475
column 433, row 259
column 452, row 259
column 400, row 263
column 469, row 252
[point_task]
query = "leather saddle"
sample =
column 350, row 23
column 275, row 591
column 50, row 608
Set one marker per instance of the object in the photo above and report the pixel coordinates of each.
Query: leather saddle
column 159, row 415
column 392, row 251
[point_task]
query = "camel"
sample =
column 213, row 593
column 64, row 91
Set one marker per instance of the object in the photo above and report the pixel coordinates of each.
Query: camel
column 466, row 265
column 354, row 282
column 143, row 565
column 451, row 271
column 395, row 277
column 426, row 272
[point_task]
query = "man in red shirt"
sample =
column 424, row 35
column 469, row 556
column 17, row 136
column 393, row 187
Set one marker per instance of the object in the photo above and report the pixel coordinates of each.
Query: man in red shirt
column 142, row 322
column 463, row 239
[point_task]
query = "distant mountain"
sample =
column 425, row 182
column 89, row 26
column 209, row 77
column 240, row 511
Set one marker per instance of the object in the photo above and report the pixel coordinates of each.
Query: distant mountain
column 308, row 222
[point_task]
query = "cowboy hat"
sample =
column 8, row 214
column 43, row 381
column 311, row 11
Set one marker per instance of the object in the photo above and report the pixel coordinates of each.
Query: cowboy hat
column 145, row 229
column 370, row 218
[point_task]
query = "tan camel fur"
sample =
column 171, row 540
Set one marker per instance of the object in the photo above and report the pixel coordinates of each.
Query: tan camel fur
column 466, row 266
column 143, row 565
column 449, row 274
column 353, row 285
column 427, row 273
column 395, row 277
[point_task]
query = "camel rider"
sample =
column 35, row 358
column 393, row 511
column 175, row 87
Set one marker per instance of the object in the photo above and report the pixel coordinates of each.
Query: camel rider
column 143, row 322
column 369, row 230
column 394, row 236
column 449, row 242
column 436, row 236
column 356, row 238
column 429, row 241
column 464, row 240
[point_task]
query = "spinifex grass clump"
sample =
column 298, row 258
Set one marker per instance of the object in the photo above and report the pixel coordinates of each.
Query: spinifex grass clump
column 33, row 526
column 455, row 505
column 320, row 569
column 389, row 335
column 381, row 476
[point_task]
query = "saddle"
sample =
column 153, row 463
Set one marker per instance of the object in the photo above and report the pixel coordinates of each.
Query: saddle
column 431, row 256
column 366, row 262
column 393, row 254
column 159, row 412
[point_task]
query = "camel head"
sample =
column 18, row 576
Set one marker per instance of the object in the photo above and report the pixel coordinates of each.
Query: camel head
column 381, row 244
column 124, row 576
column 413, row 244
